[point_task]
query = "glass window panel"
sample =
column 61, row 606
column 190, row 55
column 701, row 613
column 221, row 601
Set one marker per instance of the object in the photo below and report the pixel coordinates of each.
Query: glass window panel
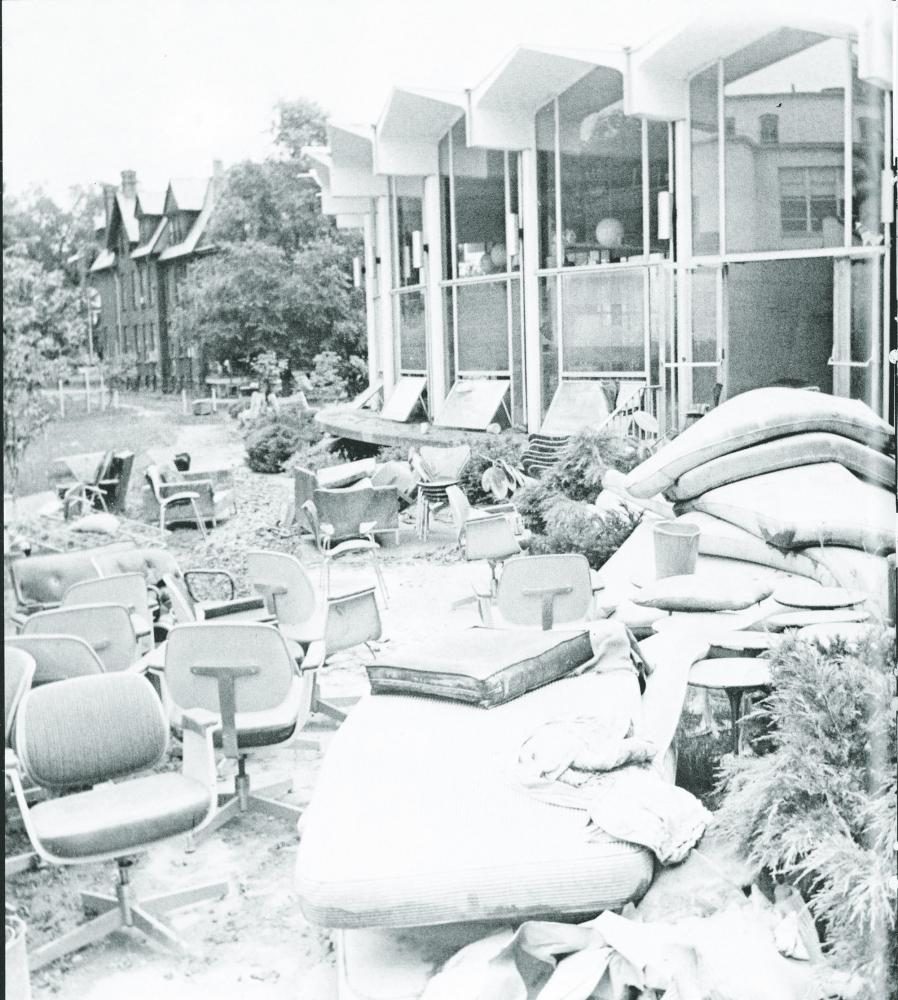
column 704, row 139
column 784, row 158
column 514, row 263
column 865, row 343
column 867, row 159
column 703, row 288
column 517, row 355
column 449, row 336
column 408, row 221
column 479, row 176
column 548, row 329
column 412, row 332
column 482, row 327
column 601, row 172
column 780, row 324
column 659, row 180
column 603, row 322
column 545, row 184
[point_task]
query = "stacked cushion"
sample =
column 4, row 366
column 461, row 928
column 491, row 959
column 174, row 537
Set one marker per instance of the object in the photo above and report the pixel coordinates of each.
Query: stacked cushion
column 751, row 419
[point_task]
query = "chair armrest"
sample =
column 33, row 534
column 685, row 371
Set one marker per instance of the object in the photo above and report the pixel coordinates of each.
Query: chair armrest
column 177, row 497
column 209, row 572
column 366, row 528
column 198, row 760
column 315, row 656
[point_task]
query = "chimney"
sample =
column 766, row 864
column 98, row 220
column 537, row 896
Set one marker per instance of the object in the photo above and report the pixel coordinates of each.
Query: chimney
column 129, row 183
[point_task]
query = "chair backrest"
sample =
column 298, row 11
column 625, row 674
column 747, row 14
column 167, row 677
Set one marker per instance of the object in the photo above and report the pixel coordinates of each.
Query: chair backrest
column 351, row 620
column 106, row 628
column 120, row 471
column 18, row 673
column 56, row 657
column 41, row 580
column 153, row 563
column 104, row 469
column 490, row 538
column 282, row 579
column 345, row 510
column 444, row 464
column 235, row 646
column 459, row 508
column 305, row 482
column 129, row 589
column 526, row 579
column 86, row 730
column 182, row 605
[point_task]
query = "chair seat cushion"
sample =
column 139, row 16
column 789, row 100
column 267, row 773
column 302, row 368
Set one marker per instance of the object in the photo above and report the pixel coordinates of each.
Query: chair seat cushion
column 483, row 666
column 417, row 819
column 122, row 817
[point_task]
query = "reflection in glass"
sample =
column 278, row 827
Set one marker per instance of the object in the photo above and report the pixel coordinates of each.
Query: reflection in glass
column 408, row 220
column 704, row 139
column 601, row 172
column 602, row 317
column 548, row 329
column 545, row 184
column 780, row 321
column 412, row 332
column 517, row 355
column 479, row 207
column 865, row 342
column 659, row 180
column 867, row 158
column 785, row 152
column 482, row 327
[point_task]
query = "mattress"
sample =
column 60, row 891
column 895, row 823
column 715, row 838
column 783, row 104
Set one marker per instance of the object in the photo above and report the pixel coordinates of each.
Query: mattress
column 813, row 505
column 483, row 666
column 751, row 418
column 786, row 453
column 417, row 820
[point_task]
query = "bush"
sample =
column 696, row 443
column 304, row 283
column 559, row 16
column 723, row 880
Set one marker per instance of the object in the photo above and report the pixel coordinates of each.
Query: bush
column 485, row 451
column 573, row 526
column 585, row 459
column 237, row 407
column 531, row 501
column 269, row 446
column 335, row 377
column 818, row 809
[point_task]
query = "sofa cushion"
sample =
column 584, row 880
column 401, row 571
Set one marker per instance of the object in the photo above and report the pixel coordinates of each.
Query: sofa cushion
column 482, row 666
column 120, row 817
column 41, row 580
column 417, row 819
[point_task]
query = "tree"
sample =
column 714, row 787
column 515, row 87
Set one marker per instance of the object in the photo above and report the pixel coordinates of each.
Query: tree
column 40, row 334
column 270, row 202
column 299, row 123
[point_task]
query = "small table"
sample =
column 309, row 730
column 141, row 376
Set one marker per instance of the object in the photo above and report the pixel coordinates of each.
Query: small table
column 735, row 676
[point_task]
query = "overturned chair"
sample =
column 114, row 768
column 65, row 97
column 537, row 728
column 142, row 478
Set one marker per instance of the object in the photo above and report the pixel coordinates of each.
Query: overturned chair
column 91, row 731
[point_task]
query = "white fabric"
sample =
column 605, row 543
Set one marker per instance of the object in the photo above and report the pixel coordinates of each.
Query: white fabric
column 415, row 821
column 753, row 417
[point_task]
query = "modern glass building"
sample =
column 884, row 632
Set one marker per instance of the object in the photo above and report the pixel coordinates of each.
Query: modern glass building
column 708, row 213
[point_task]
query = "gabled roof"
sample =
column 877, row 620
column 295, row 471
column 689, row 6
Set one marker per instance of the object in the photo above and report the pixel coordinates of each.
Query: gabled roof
column 150, row 202
column 191, row 244
column 186, row 194
column 148, row 247
column 418, row 114
column 123, row 211
column 105, row 260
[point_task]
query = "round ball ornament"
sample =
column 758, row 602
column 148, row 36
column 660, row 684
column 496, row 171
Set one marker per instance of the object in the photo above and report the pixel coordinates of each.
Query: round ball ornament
column 610, row 233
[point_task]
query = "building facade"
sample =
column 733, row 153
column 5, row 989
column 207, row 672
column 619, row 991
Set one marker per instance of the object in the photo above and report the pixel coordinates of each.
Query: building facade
column 707, row 213
column 149, row 241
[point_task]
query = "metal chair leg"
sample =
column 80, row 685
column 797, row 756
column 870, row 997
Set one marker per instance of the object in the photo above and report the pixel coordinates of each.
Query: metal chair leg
column 200, row 523
column 380, row 578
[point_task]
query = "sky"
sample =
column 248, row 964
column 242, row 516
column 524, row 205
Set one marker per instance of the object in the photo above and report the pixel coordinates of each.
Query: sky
column 164, row 87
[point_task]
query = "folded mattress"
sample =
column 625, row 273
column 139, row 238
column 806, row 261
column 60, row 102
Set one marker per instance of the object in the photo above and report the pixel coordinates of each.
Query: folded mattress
column 417, row 819
column 750, row 419
column 786, row 453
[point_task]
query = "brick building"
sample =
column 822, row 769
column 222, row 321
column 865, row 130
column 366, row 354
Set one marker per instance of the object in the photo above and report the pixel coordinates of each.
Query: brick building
column 149, row 239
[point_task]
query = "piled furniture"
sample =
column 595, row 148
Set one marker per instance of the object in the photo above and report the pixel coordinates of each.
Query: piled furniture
column 436, row 469
column 179, row 497
column 381, row 504
column 97, row 480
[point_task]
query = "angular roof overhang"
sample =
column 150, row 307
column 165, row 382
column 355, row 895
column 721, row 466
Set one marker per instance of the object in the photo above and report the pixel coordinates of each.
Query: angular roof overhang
column 502, row 108
column 351, row 166
column 658, row 73
column 410, row 128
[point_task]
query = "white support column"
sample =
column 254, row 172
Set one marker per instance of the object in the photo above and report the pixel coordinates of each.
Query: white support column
column 436, row 345
column 369, row 283
column 532, row 338
column 385, row 282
